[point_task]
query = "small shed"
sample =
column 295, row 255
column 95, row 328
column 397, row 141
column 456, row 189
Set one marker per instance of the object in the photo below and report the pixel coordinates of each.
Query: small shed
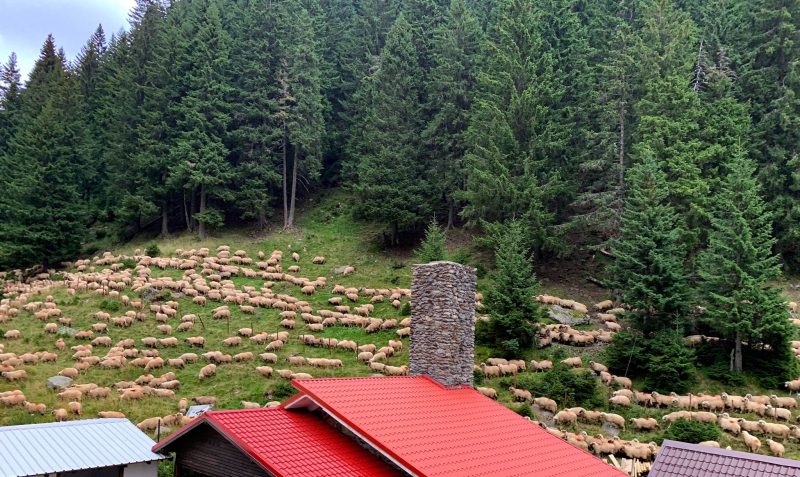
column 89, row 448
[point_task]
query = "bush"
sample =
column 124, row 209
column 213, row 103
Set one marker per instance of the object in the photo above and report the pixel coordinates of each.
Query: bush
column 510, row 348
column 109, row 305
column 524, row 410
column 692, row 432
column 478, row 376
column 129, row 263
column 281, row 391
column 57, row 277
column 405, row 310
column 663, row 360
column 568, row 387
column 152, row 250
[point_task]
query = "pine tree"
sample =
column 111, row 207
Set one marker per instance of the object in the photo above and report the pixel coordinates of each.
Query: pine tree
column 254, row 131
column 199, row 154
column 510, row 300
column 736, row 268
column 301, row 102
column 391, row 183
column 432, row 247
column 10, row 89
column 41, row 210
column 514, row 142
column 456, row 52
column 648, row 268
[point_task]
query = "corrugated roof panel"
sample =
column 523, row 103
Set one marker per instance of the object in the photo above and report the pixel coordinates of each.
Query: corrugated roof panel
column 438, row 431
column 695, row 459
column 65, row 446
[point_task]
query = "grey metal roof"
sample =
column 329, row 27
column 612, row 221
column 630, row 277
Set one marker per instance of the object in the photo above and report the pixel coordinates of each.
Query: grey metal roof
column 35, row 449
column 679, row 459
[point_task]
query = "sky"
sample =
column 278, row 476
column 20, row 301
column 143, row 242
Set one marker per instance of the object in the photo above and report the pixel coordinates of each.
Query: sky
column 24, row 25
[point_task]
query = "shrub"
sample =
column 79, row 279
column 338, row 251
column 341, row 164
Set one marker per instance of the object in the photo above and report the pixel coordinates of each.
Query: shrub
column 568, row 387
column 129, row 263
column 510, row 348
column 109, row 305
column 405, row 310
column 524, row 410
column 57, row 277
column 477, row 376
column 663, row 360
column 152, row 250
column 692, row 431
column 281, row 391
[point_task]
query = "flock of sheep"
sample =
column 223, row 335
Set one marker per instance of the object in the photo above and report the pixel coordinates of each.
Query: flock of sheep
column 206, row 282
column 206, row 278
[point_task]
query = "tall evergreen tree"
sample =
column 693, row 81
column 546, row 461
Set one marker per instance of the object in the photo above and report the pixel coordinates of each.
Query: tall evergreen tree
column 648, row 268
column 41, row 210
column 391, row 182
column 456, row 53
column 10, row 90
column 739, row 263
column 199, row 154
column 512, row 136
column 301, row 102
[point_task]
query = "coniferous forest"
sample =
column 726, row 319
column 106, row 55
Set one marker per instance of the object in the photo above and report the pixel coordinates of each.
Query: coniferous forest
column 664, row 133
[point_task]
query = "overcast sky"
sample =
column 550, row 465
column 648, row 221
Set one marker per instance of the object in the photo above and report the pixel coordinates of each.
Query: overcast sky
column 24, row 25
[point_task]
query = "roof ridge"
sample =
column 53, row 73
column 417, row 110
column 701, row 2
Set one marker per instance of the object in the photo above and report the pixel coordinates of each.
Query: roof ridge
column 731, row 453
column 46, row 425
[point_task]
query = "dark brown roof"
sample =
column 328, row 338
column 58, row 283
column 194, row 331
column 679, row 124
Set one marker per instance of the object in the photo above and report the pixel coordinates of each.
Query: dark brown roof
column 679, row 459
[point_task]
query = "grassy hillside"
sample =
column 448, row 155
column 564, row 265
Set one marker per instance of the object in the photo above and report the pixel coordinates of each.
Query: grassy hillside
column 322, row 230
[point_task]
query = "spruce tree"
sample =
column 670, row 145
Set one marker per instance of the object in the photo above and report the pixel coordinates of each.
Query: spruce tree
column 301, row 102
column 10, row 89
column 199, row 154
column 737, row 267
column 456, row 53
column 392, row 185
column 510, row 299
column 513, row 138
column 432, row 247
column 648, row 267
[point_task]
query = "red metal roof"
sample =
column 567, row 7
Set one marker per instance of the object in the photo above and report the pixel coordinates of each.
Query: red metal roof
column 679, row 459
column 291, row 444
column 436, row 431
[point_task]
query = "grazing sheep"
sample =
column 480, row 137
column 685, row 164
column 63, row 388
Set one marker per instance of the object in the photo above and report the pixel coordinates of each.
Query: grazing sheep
column 573, row 362
column 206, row 371
column 785, row 402
column 274, row 345
column 546, row 404
column 644, row 423
column 751, row 442
column 232, row 341
column 75, row 408
column 623, row 381
column 520, row 394
column 60, row 414
column 71, row 373
column 196, row 341
column 709, row 444
column 110, row 415
column 14, row 375
column 488, row 392
column 154, row 363
column 774, row 429
column 597, row 367
column 319, row 260
column 565, row 417
column 779, row 413
column 614, row 419
column 624, row 401
column 265, row 371
column 34, row 408
column 776, row 448
column 12, row 335
column 729, row 424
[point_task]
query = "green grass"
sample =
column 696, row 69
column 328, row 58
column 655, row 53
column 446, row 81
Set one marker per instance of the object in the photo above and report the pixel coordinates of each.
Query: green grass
column 326, row 229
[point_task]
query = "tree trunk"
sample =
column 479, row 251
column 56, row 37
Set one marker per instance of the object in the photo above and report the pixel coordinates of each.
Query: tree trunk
column 285, row 201
column 737, row 354
column 186, row 214
column 201, row 229
column 395, row 239
column 192, row 208
column 451, row 212
column 262, row 218
column 296, row 159
column 165, row 219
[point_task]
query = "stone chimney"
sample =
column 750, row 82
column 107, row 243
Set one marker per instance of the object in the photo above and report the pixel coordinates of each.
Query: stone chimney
column 443, row 322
